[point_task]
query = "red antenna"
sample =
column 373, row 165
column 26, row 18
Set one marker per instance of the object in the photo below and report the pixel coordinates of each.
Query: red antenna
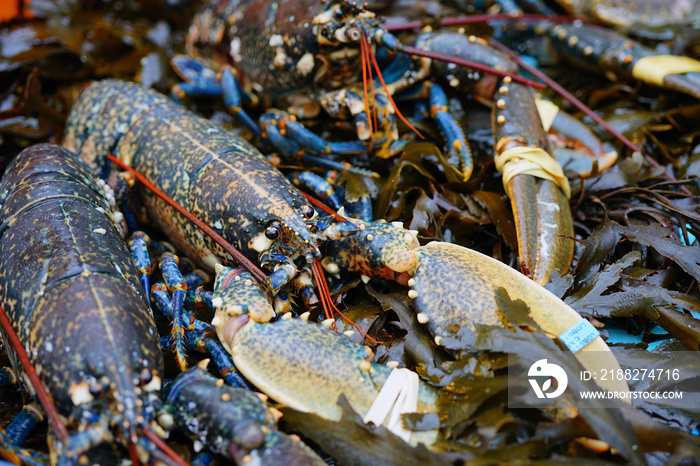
column 41, row 393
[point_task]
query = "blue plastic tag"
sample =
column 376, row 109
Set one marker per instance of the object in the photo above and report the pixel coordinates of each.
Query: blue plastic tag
column 579, row 335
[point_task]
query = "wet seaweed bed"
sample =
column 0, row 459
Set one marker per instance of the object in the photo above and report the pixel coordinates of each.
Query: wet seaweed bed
column 635, row 273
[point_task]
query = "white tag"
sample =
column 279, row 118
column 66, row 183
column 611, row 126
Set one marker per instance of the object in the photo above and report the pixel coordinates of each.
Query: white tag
column 579, row 336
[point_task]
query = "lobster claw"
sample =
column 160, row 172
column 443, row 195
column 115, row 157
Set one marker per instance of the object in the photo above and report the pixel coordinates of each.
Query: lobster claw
column 544, row 226
column 535, row 183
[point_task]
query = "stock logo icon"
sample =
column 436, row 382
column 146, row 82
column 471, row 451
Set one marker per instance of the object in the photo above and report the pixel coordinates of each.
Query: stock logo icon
column 543, row 372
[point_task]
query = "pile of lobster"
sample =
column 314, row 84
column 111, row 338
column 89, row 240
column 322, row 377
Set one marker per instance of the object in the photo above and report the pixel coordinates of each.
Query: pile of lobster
column 108, row 243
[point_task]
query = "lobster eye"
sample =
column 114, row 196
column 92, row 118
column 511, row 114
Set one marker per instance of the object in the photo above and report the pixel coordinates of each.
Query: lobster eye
column 338, row 12
column 95, row 388
column 146, row 376
column 307, row 211
column 272, row 232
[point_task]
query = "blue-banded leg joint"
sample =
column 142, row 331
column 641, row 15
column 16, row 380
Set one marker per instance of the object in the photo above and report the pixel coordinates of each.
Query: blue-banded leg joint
column 233, row 99
column 7, row 376
column 23, row 423
column 316, row 185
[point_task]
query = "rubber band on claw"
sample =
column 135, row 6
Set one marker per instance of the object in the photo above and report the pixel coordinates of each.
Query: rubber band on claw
column 534, row 162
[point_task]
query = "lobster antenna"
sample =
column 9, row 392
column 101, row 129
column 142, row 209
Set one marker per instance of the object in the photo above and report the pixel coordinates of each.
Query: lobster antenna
column 328, row 306
column 365, row 66
column 133, row 454
column 368, row 47
column 41, row 393
column 228, row 247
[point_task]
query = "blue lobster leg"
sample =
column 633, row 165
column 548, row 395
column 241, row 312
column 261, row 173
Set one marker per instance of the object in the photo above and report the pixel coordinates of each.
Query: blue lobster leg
column 177, row 286
column 7, row 376
column 224, row 363
column 458, row 149
column 200, row 81
column 195, row 278
column 457, row 144
column 199, row 339
column 17, row 455
column 202, row 459
column 203, row 341
column 182, row 90
column 296, row 140
column 23, row 423
column 164, row 304
column 233, row 99
column 318, row 186
column 14, row 434
column 197, row 295
column 138, row 245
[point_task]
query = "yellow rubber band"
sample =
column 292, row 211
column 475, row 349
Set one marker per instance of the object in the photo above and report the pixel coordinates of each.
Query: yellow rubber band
column 534, row 162
column 548, row 111
column 654, row 69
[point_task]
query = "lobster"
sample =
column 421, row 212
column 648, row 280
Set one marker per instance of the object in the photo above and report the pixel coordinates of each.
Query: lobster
column 215, row 175
column 305, row 56
column 324, row 37
column 69, row 288
column 230, row 421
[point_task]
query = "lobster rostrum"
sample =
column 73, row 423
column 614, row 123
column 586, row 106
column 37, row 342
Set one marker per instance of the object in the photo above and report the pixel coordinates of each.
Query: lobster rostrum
column 215, row 175
column 69, row 288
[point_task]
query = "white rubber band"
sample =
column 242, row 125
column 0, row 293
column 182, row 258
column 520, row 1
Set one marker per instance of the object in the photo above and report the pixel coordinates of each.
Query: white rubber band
column 398, row 396
column 548, row 112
